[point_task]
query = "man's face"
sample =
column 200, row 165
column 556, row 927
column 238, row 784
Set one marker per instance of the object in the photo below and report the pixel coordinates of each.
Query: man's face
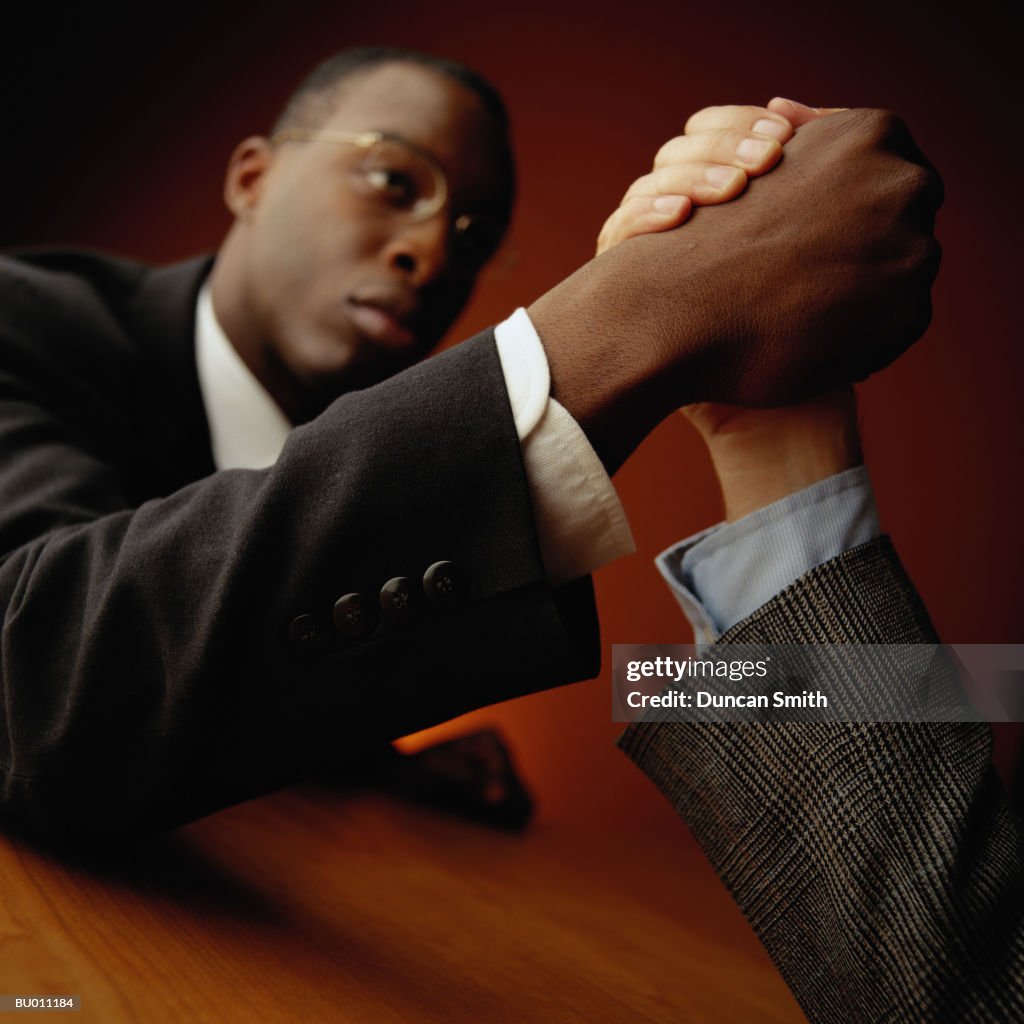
column 341, row 295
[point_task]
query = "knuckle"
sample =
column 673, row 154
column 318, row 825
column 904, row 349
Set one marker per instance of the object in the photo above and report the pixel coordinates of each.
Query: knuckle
column 922, row 264
column 920, row 188
column 626, row 212
column 928, row 186
column 720, row 144
column 918, row 253
column 694, row 121
column 915, row 182
column 671, row 151
column 671, row 180
column 643, row 185
column 877, row 121
column 883, row 129
column 748, row 114
column 705, row 117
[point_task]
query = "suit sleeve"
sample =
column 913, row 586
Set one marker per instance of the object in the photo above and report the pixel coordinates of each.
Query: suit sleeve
column 161, row 661
column 880, row 864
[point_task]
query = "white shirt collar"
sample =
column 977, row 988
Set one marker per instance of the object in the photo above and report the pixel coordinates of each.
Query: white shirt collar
column 247, row 427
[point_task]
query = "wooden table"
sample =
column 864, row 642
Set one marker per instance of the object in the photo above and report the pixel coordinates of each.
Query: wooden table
column 317, row 905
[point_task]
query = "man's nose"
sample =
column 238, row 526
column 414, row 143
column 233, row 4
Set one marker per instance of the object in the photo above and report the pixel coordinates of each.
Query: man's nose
column 419, row 250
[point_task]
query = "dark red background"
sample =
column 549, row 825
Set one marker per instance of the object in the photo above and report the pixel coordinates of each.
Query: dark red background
column 117, row 132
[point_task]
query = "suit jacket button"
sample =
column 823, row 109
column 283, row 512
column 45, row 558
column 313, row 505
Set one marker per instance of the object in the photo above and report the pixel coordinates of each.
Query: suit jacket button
column 308, row 635
column 400, row 600
column 446, row 584
column 355, row 615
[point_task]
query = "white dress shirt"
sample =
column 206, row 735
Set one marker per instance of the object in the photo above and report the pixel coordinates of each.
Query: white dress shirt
column 579, row 519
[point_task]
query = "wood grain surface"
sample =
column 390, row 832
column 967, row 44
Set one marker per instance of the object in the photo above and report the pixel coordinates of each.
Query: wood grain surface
column 319, row 905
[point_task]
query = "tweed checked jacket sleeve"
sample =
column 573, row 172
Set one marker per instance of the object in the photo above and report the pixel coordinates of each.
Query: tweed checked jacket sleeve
column 880, row 864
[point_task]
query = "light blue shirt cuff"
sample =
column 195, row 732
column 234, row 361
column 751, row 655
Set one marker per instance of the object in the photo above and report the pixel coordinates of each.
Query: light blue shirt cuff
column 721, row 575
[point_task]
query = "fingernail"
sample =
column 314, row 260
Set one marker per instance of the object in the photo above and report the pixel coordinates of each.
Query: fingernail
column 721, row 177
column 751, row 151
column 776, row 129
column 669, row 205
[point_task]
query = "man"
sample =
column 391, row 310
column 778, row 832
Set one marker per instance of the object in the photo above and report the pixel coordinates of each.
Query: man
column 880, row 864
column 186, row 625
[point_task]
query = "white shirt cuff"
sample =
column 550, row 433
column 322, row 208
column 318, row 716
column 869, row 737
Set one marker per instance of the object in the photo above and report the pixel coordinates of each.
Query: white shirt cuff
column 580, row 522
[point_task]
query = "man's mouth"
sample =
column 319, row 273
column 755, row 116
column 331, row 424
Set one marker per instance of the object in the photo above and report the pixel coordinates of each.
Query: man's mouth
column 379, row 323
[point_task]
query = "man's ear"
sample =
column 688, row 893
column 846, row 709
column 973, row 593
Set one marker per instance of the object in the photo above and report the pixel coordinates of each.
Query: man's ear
column 246, row 174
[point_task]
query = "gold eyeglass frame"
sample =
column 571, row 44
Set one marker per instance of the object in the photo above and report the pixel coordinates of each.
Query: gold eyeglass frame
column 368, row 139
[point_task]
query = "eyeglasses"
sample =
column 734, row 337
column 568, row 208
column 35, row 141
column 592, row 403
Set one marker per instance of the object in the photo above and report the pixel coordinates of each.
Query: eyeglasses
column 396, row 179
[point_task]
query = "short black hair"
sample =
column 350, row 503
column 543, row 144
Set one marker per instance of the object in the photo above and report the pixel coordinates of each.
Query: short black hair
column 312, row 101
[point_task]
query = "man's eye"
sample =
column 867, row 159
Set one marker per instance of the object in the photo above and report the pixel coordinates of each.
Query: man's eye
column 396, row 186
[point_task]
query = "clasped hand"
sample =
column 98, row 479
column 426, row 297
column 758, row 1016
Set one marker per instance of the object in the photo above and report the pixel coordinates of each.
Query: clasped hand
column 760, row 455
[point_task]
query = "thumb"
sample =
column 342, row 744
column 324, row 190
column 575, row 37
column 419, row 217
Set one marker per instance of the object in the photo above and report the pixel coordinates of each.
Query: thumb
column 799, row 113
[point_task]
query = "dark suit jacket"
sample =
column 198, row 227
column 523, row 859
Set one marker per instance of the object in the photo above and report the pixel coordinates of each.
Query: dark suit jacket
column 149, row 671
column 880, row 864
